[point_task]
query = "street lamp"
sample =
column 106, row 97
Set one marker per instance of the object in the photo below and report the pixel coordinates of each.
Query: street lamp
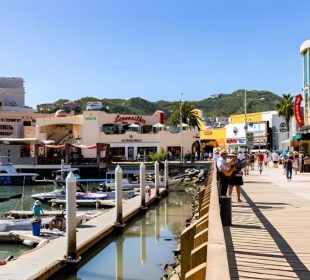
column 245, row 115
column 181, row 144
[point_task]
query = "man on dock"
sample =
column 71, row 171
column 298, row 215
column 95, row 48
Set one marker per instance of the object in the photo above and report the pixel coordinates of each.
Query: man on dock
column 37, row 210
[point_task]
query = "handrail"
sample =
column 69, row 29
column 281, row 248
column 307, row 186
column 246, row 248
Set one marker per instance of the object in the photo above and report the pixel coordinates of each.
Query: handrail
column 203, row 248
column 217, row 264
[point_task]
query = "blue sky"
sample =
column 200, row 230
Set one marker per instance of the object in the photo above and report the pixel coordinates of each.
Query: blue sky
column 153, row 49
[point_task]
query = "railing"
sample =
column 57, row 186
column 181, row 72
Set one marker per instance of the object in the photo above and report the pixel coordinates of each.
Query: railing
column 203, row 248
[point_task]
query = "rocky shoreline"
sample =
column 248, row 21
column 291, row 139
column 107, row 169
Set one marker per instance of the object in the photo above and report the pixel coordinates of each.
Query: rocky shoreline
column 196, row 179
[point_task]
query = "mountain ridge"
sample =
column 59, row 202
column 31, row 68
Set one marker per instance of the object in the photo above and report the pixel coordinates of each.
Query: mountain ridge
column 216, row 105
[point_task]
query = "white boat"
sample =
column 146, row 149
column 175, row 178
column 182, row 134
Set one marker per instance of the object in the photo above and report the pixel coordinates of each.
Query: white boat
column 60, row 175
column 9, row 176
column 87, row 203
column 127, row 184
column 7, row 225
column 61, row 194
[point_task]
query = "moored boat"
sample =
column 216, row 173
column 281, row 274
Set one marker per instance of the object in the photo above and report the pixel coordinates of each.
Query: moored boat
column 61, row 194
column 10, row 176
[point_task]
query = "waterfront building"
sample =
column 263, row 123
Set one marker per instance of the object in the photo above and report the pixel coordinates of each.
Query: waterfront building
column 265, row 130
column 130, row 137
column 301, row 141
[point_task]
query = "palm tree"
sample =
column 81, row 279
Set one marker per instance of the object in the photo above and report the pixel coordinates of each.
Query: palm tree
column 184, row 112
column 285, row 109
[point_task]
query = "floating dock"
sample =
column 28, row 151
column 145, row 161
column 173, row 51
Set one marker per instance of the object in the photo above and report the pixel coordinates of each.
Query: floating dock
column 46, row 260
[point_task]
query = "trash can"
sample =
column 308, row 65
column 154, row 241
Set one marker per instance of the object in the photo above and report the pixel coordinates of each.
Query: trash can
column 225, row 210
column 36, row 227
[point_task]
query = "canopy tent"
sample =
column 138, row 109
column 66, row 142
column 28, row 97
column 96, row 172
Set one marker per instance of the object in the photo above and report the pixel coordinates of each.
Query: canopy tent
column 74, row 145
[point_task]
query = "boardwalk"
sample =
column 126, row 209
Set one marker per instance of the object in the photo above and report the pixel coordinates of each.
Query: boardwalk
column 270, row 234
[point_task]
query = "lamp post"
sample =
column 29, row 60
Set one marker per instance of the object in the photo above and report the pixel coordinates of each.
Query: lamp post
column 181, row 144
column 245, row 118
column 245, row 124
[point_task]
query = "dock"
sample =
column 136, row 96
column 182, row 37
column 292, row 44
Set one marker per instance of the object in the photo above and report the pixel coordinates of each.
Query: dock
column 42, row 262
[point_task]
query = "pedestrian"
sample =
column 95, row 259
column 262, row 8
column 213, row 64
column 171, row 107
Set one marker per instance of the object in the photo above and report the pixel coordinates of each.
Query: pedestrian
column 260, row 159
column 296, row 163
column 289, row 167
column 37, row 210
column 236, row 178
column 216, row 155
column 275, row 158
column 222, row 167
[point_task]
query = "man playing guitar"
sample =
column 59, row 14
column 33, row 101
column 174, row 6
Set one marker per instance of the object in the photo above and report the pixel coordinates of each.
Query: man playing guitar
column 222, row 167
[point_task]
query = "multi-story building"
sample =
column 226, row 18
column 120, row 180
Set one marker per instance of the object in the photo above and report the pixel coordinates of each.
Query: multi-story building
column 305, row 52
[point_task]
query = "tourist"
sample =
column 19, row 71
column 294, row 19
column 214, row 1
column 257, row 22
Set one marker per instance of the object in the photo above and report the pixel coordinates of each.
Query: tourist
column 275, row 158
column 289, row 167
column 260, row 159
column 296, row 163
column 216, row 155
column 236, row 179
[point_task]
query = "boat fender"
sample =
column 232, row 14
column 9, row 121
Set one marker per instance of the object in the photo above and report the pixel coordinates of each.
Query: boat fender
column 28, row 242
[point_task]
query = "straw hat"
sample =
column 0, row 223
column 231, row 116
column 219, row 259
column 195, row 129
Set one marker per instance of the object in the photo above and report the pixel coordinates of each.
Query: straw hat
column 223, row 152
column 216, row 150
column 232, row 154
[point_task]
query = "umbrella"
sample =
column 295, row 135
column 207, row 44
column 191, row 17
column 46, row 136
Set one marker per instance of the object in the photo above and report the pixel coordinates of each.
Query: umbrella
column 158, row 125
column 183, row 125
column 133, row 125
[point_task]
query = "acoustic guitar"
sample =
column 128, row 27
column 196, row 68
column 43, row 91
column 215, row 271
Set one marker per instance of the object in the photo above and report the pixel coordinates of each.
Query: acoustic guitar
column 234, row 166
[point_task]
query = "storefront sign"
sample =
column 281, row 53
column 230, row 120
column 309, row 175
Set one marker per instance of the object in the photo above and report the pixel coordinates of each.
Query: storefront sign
column 235, row 141
column 207, row 132
column 90, row 117
column 126, row 119
column 297, row 110
column 282, row 127
column 131, row 140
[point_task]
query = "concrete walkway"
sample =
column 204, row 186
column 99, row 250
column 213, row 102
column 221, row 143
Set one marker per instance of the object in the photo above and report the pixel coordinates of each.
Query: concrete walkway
column 270, row 233
column 41, row 262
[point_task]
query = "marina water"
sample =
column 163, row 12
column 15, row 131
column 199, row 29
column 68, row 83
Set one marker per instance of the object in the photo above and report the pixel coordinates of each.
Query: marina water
column 145, row 246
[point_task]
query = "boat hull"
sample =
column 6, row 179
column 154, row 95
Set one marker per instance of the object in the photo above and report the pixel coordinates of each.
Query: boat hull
column 18, row 179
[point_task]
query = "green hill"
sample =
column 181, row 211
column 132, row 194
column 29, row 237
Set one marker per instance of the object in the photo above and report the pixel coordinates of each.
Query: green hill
column 213, row 106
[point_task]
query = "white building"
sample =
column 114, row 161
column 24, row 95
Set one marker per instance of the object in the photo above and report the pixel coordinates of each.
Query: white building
column 129, row 136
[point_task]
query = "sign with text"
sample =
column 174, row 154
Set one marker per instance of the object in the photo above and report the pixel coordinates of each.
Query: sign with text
column 297, row 110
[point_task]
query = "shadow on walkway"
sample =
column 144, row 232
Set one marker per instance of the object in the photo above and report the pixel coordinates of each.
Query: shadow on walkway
column 292, row 259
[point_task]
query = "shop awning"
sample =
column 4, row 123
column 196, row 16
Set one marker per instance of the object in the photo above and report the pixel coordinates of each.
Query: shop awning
column 297, row 137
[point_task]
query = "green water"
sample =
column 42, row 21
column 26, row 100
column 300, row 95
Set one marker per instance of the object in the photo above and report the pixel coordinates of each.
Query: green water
column 145, row 246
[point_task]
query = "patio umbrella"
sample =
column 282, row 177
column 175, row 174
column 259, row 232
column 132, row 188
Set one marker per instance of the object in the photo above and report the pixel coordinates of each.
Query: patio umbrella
column 158, row 125
column 133, row 125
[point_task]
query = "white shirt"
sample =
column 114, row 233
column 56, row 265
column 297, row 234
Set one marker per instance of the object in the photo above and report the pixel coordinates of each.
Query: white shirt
column 275, row 156
column 221, row 164
column 215, row 158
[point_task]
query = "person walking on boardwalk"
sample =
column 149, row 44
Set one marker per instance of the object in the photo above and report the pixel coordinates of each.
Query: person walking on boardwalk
column 295, row 163
column 275, row 158
column 289, row 167
column 222, row 167
column 236, row 179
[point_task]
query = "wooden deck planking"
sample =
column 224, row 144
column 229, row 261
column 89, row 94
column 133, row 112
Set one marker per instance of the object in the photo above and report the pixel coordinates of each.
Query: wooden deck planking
column 270, row 235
